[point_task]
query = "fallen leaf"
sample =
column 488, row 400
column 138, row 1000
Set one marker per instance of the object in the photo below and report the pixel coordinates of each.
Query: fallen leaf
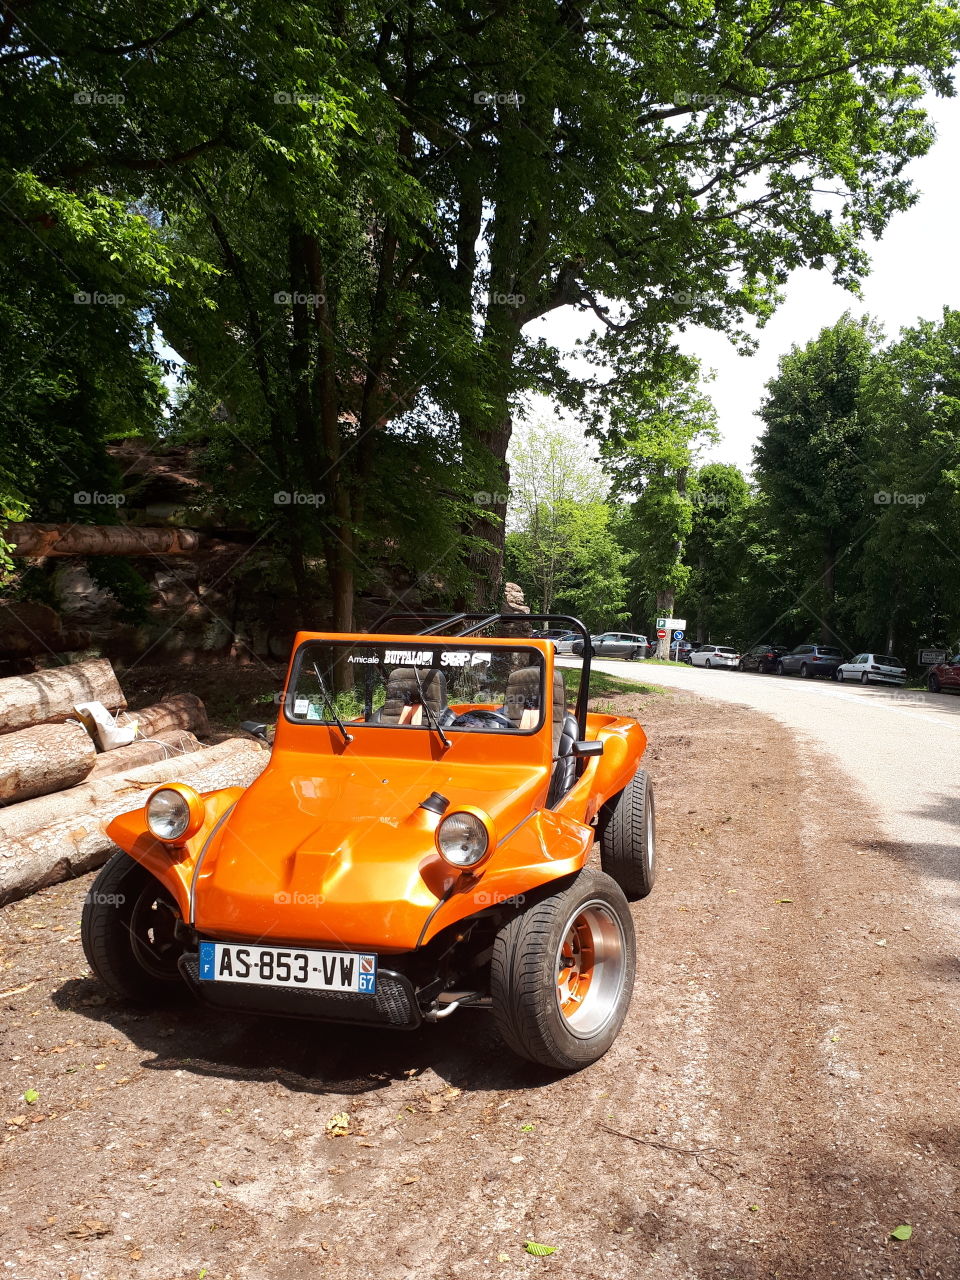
column 135, row 1255
column 17, row 1120
column 882, row 942
column 784, row 899
column 503, row 1257
column 30, row 1096
column 99, row 1066
column 754, row 1208
column 539, row 1250
column 407, row 1181
column 339, row 1125
column 527, row 1128
column 217, row 1183
column 903, row 1232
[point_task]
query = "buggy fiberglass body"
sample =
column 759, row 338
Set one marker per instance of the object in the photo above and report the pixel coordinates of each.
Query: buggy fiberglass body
column 418, row 844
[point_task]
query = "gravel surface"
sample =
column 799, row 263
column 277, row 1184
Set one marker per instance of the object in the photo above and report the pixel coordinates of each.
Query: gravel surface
column 783, row 1096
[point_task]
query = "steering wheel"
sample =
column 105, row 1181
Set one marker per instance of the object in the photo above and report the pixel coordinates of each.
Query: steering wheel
column 493, row 719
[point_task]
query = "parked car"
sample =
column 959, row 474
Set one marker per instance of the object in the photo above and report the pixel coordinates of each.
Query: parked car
column 714, row 655
column 680, row 650
column 809, row 661
column 881, row 667
column 945, row 676
column 762, row 657
column 616, row 644
column 330, row 891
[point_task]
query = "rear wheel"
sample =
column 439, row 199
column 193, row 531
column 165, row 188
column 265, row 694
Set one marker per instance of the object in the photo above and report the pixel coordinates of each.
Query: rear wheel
column 627, row 834
column 740, row 666
column 129, row 933
column 562, row 974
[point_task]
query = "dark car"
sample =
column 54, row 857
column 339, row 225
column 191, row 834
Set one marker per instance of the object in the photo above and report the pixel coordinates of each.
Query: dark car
column 616, row 644
column 762, row 657
column 945, row 676
column 809, row 661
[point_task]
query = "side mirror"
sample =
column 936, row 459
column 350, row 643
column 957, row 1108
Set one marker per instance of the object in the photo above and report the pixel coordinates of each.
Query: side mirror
column 588, row 748
column 254, row 728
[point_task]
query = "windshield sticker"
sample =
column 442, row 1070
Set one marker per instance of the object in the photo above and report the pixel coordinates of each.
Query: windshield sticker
column 409, row 657
column 300, row 707
column 365, row 657
column 464, row 658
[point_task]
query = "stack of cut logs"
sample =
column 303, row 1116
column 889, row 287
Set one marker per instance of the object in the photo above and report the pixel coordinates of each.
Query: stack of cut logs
column 57, row 792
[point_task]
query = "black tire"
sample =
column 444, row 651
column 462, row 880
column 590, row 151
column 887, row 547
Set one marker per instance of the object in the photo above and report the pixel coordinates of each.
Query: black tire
column 838, row 676
column 781, row 670
column 864, row 678
column 740, row 666
column 706, row 662
column 529, row 979
column 627, row 835
column 933, row 684
column 128, row 932
column 632, row 656
column 804, row 671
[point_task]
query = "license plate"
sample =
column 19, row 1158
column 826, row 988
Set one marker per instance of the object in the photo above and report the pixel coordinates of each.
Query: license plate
column 288, row 967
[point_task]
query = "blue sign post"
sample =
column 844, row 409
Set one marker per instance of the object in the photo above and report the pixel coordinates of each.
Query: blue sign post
column 677, row 637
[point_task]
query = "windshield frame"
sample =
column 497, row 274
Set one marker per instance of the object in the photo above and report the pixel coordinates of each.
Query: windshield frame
column 413, row 643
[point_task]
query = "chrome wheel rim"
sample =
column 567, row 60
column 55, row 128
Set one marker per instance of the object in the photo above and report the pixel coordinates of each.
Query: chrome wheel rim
column 590, row 968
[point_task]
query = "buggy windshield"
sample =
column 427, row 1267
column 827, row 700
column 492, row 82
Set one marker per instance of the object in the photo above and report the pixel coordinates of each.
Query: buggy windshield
column 419, row 684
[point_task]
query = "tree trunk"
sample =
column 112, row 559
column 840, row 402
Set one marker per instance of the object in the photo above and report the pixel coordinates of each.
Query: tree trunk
column 665, row 600
column 52, row 694
column 827, row 583
column 181, row 711
column 485, row 561
column 44, row 758
column 167, row 745
column 101, row 540
column 55, row 837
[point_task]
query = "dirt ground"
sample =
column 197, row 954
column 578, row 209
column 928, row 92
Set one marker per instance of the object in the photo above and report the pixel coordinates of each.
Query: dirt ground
column 783, row 1096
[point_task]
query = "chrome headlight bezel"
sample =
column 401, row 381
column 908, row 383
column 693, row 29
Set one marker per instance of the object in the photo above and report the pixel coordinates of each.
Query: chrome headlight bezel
column 173, row 813
column 465, row 838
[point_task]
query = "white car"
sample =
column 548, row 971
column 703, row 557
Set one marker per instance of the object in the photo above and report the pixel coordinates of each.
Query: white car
column 714, row 655
column 873, row 666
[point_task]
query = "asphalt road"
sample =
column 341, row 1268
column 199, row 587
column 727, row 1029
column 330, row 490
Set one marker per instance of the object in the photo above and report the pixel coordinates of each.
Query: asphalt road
column 899, row 747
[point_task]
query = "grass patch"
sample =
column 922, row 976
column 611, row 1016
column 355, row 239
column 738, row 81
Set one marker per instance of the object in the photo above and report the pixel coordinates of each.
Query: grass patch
column 601, row 683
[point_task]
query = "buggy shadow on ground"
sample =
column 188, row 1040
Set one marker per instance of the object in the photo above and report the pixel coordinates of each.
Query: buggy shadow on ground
column 319, row 1058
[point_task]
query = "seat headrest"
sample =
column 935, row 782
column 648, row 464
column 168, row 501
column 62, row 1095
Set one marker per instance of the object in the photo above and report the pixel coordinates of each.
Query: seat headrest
column 403, row 691
column 522, row 693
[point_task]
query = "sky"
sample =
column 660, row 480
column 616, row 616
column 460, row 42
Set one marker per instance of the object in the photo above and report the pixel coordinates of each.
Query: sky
column 915, row 273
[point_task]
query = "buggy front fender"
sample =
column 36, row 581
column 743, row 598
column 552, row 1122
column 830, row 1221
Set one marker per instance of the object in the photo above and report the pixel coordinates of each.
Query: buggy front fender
column 545, row 847
column 173, row 865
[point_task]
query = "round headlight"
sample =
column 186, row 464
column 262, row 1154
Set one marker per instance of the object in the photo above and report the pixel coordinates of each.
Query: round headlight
column 171, row 813
column 463, row 839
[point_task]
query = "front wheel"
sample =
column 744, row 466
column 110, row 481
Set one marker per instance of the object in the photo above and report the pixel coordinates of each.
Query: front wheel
column 933, row 684
column 864, row 678
column 740, row 666
column 562, row 974
column 129, row 933
column 804, row 671
column 780, row 669
column 707, row 662
column 839, row 676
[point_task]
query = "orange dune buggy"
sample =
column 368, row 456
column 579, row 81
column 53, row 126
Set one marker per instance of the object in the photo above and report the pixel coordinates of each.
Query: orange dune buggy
column 417, row 844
